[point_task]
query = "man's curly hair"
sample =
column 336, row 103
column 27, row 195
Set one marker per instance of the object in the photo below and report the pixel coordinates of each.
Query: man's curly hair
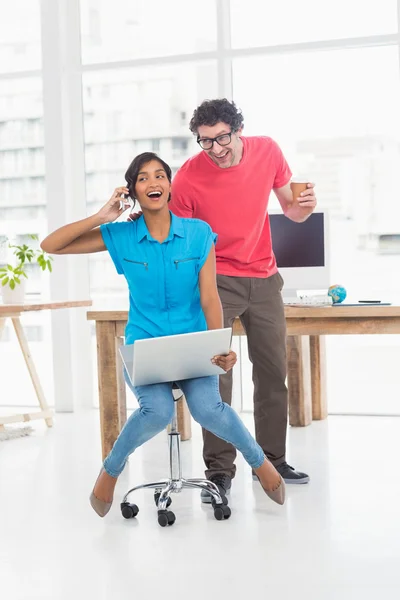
column 211, row 112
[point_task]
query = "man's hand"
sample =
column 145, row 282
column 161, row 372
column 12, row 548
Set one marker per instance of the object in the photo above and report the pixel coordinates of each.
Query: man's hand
column 300, row 208
column 225, row 362
column 307, row 199
column 134, row 216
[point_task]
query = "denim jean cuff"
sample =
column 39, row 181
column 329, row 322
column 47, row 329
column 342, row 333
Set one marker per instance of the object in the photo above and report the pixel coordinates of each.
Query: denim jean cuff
column 110, row 471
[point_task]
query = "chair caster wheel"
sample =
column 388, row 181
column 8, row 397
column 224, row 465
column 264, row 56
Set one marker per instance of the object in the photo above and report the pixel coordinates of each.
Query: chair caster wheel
column 166, row 517
column 157, row 497
column 222, row 512
column 129, row 511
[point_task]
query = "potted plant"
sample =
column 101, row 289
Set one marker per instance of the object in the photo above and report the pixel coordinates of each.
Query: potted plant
column 12, row 276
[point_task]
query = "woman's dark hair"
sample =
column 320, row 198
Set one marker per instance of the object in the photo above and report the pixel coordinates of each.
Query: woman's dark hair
column 211, row 112
column 135, row 167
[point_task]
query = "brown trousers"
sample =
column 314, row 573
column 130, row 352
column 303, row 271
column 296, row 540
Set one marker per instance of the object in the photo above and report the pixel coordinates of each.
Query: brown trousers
column 258, row 303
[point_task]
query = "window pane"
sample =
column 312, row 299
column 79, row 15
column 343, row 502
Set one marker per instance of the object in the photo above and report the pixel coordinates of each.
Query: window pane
column 341, row 125
column 22, row 212
column 20, row 36
column 22, row 165
column 125, row 30
column 293, row 21
column 126, row 112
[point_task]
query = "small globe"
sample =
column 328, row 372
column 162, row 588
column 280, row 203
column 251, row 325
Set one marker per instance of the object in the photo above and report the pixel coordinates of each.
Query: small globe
column 337, row 293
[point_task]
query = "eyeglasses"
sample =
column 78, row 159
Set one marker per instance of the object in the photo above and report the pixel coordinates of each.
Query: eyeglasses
column 222, row 140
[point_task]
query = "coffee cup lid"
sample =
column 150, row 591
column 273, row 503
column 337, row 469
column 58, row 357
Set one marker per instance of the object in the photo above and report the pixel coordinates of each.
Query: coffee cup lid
column 300, row 179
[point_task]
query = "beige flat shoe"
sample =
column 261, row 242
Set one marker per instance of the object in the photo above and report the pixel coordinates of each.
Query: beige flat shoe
column 277, row 495
column 99, row 506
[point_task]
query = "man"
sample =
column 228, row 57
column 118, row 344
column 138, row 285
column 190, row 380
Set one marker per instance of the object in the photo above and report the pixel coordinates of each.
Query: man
column 228, row 185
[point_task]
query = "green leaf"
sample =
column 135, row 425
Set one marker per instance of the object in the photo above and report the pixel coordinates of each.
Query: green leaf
column 49, row 266
column 5, row 281
column 12, row 284
column 34, row 236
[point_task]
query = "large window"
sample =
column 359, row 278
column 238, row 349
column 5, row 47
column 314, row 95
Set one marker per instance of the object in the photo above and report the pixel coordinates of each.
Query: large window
column 321, row 78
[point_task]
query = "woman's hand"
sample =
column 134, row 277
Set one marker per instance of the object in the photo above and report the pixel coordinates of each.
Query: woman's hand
column 225, row 362
column 112, row 210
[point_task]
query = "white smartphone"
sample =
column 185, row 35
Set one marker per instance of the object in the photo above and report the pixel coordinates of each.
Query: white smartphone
column 126, row 202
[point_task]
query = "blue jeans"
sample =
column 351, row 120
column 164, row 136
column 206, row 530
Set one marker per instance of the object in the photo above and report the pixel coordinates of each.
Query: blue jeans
column 155, row 412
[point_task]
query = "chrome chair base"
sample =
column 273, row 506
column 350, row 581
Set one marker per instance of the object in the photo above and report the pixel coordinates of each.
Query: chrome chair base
column 166, row 487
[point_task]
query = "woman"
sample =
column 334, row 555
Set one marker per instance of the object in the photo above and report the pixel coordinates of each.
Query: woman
column 169, row 265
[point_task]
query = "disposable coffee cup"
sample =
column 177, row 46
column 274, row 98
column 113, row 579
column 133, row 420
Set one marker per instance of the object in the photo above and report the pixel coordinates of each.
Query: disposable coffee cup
column 298, row 185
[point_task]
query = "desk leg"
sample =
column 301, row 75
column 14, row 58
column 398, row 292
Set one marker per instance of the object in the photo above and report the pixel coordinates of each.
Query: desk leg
column 318, row 377
column 298, row 361
column 2, row 325
column 184, row 419
column 108, row 384
column 119, row 341
column 31, row 367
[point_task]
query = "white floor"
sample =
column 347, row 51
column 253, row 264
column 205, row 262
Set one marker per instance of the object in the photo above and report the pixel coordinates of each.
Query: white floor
column 336, row 538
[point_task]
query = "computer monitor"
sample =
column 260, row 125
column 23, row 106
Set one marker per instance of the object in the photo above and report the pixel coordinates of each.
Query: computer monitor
column 302, row 252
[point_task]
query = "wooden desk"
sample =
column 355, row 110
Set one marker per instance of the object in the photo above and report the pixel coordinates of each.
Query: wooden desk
column 306, row 328
column 14, row 312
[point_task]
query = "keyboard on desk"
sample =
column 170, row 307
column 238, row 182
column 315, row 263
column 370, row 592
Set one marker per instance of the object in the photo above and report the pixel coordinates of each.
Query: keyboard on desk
column 320, row 300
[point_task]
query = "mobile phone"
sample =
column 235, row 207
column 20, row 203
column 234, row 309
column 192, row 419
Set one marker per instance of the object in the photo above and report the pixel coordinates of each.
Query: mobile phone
column 123, row 203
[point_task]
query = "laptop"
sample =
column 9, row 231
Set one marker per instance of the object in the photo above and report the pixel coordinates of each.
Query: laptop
column 175, row 357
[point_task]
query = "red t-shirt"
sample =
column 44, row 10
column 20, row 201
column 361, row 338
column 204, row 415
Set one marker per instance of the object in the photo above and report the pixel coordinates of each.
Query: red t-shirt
column 234, row 202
